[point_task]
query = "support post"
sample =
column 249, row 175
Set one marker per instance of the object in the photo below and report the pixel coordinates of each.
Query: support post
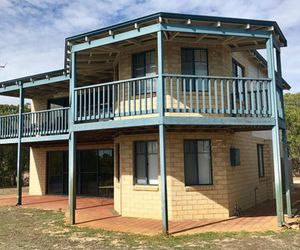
column 72, row 144
column 19, row 145
column 72, row 177
column 275, row 134
column 162, row 133
column 160, row 70
column 284, row 142
column 287, row 173
column 163, row 178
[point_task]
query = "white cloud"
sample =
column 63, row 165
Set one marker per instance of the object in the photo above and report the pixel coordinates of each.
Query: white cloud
column 33, row 31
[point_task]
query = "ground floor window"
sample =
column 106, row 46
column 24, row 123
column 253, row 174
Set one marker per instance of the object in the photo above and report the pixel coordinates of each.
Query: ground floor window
column 94, row 170
column 146, row 165
column 260, row 158
column 197, row 162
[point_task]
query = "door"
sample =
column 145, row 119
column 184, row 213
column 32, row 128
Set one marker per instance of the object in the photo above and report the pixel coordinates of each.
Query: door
column 105, row 173
column 88, row 172
column 55, row 172
column 95, row 172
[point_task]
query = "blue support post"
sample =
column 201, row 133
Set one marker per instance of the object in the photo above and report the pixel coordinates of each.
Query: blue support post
column 163, row 177
column 160, row 70
column 287, row 170
column 19, row 145
column 287, row 175
column 162, row 133
column 275, row 134
column 72, row 144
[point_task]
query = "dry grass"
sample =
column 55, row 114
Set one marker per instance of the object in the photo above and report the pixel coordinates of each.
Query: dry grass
column 38, row 229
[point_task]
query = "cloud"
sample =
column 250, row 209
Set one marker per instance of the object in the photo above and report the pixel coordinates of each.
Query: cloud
column 33, row 31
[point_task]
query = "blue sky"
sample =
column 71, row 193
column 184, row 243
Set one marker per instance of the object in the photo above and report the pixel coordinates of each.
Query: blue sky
column 33, row 31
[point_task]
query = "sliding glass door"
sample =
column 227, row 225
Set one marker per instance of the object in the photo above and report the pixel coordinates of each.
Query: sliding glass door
column 57, row 173
column 94, row 172
column 105, row 173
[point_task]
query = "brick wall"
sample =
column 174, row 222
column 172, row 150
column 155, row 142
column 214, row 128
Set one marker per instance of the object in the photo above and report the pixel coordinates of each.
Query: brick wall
column 231, row 185
column 135, row 200
column 245, row 187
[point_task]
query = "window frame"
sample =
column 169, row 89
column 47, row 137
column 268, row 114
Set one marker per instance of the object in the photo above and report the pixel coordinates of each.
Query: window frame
column 136, row 83
column 145, row 64
column 146, row 165
column 197, row 161
column 236, row 63
column 194, row 69
column 260, row 165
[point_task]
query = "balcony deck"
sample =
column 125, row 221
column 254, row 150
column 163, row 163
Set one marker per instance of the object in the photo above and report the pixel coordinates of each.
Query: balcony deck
column 199, row 100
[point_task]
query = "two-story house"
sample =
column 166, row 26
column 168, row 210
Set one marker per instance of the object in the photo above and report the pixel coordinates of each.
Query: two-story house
column 173, row 116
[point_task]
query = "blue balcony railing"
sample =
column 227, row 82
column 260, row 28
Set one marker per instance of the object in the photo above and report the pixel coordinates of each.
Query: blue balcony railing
column 228, row 96
column 116, row 99
column 183, row 94
column 231, row 96
column 40, row 123
column 46, row 122
column 9, row 126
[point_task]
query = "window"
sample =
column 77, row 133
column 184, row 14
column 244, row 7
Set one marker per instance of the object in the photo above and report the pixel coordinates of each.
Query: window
column 194, row 62
column 197, row 162
column 237, row 69
column 260, row 158
column 146, row 167
column 58, row 103
column 143, row 65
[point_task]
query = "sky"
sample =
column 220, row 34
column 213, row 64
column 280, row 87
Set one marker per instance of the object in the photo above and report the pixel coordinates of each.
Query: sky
column 33, row 32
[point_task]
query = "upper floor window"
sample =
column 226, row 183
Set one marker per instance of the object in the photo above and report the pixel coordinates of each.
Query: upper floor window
column 237, row 69
column 61, row 102
column 260, row 157
column 197, row 162
column 194, row 62
column 146, row 165
column 143, row 64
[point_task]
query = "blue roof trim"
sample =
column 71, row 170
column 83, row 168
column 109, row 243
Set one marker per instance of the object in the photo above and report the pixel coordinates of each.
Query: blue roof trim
column 33, row 77
column 184, row 16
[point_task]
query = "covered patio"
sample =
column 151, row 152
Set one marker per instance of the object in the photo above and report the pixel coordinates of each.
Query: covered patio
column 98, row 213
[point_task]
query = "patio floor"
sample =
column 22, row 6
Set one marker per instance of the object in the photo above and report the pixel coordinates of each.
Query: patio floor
column 99, row 213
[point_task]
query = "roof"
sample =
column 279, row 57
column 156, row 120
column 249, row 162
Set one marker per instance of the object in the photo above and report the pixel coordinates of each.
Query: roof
column 169, row 15
column 32, row 78
column 147, row 19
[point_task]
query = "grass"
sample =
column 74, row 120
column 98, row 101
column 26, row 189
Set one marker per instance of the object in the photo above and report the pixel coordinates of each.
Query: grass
column 38, row 229
column 12, row 190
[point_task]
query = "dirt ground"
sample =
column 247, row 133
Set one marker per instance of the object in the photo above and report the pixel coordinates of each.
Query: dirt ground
column 38, row 229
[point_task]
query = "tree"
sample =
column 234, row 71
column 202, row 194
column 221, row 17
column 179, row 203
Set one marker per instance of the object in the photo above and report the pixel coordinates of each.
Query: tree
column 8, row 153
column 292, row 114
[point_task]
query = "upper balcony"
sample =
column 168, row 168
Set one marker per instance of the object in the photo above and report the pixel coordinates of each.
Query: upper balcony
column 185, row 96
column 160, row 69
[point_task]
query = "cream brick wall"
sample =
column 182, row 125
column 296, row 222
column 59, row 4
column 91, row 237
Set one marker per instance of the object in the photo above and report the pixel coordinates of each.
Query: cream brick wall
column 37, row 171
column 135, row 200
column 197, row 202
column 231, row 185
column 245, row 187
